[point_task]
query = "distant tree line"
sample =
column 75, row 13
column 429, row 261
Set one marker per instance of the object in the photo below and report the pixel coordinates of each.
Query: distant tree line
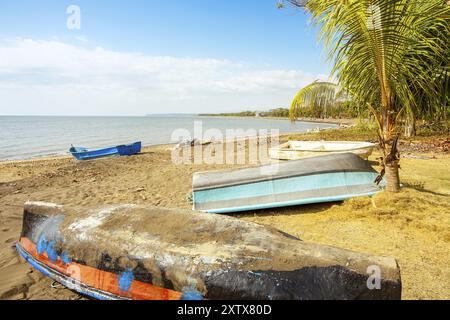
column 337, row 110
column 276, row 113
column 232, row 114
column 273, row 113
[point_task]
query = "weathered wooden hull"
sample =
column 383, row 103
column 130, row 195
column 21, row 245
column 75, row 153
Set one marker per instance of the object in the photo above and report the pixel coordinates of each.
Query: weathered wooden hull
column 314, row 180
column 136, row 252
column 291, row 151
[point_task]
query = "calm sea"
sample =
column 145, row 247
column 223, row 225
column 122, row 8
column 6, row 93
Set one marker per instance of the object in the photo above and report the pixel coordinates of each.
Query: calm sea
column 29, row 137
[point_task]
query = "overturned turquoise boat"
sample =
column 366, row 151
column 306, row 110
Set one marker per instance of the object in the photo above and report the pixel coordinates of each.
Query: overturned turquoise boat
column 330, row 178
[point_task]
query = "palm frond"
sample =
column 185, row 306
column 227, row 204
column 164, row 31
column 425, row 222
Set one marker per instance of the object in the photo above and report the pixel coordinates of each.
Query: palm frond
column 385, row 50
column 320, row 95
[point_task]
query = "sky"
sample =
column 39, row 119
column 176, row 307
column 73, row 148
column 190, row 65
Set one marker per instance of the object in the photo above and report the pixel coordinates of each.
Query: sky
column 141, row 57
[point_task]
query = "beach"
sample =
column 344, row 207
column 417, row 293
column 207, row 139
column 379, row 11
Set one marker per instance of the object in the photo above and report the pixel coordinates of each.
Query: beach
column 412, row 226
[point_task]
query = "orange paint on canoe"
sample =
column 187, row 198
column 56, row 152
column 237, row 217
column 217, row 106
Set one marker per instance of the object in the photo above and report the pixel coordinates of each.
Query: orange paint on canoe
column 101, row 280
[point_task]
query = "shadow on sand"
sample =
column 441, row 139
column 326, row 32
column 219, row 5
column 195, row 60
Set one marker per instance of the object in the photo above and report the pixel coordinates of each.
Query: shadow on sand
column 288, row 211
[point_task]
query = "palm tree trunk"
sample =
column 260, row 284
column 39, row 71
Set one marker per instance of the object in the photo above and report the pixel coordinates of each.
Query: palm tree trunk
column 390, row 164
column 410, row 125
column 391, row 157
column 392, row 177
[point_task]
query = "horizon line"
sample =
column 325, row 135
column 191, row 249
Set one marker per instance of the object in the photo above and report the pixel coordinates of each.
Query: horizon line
column 95, row 115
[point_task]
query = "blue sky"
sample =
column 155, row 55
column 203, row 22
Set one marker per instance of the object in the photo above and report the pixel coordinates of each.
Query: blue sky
column 229, row 44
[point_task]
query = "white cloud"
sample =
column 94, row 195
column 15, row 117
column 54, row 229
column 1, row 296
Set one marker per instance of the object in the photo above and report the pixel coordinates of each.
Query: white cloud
column 82, row 38
column 52, row 77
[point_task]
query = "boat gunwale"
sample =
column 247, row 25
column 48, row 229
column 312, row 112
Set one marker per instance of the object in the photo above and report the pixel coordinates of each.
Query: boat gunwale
column 282, row 147
column 59, row 277
column 92, row 150
column 284, row 204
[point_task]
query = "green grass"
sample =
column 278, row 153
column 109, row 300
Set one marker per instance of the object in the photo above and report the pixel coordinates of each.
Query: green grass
column 363, row 131
column 367, row 131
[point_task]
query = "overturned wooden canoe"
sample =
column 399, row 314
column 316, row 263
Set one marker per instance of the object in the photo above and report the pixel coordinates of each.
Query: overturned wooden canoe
column 294, row 150
column 137, row 252
column 321, row 179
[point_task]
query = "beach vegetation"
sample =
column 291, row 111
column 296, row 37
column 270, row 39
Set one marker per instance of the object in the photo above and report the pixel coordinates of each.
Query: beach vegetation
column 323, row 100
column 392, row 57
column 231, row 114
column 275, row 113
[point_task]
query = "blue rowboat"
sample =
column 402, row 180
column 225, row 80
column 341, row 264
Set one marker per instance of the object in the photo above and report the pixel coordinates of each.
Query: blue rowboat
column 82, row 153
column 328, row 178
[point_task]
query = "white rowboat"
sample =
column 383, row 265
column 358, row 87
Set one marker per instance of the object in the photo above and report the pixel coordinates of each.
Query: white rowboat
column 294, row 150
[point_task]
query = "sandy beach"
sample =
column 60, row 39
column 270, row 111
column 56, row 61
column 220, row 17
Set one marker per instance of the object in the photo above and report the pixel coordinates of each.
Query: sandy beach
column 412, row 226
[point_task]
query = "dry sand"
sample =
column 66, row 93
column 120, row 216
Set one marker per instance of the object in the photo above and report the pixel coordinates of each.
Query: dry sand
column 413, row 226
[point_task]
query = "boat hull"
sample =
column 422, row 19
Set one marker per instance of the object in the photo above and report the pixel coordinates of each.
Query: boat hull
column 129, row 149
column 315, row 180
column 83, row 154
column 294, row 150
column 136, row 252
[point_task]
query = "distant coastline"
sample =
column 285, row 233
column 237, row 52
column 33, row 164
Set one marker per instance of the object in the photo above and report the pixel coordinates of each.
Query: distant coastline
column 278, row 114
column 310, row 120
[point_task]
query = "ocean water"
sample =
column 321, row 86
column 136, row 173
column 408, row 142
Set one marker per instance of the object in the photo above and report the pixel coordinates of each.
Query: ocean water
column 23, row 137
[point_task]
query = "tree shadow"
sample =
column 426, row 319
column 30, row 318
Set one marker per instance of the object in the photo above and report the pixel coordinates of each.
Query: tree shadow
column 420, row 186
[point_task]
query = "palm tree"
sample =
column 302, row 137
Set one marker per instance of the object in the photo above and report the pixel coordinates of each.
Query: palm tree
column 383, row 54
column 318, row 96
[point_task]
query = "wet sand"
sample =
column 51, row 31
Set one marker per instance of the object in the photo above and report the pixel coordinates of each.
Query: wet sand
column 401, row 226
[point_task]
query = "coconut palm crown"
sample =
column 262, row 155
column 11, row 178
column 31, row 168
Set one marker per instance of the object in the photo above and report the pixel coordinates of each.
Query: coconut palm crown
column 384, row 52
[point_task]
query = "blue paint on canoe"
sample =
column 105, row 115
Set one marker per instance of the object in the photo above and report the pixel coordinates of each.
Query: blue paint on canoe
column 45, row 246
column 65, row 258
column 294, row 184
column 65, row 281
column 82, row 153
column 190, row 294
column 51, row 253
column 125, row 280
column 42, row 245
